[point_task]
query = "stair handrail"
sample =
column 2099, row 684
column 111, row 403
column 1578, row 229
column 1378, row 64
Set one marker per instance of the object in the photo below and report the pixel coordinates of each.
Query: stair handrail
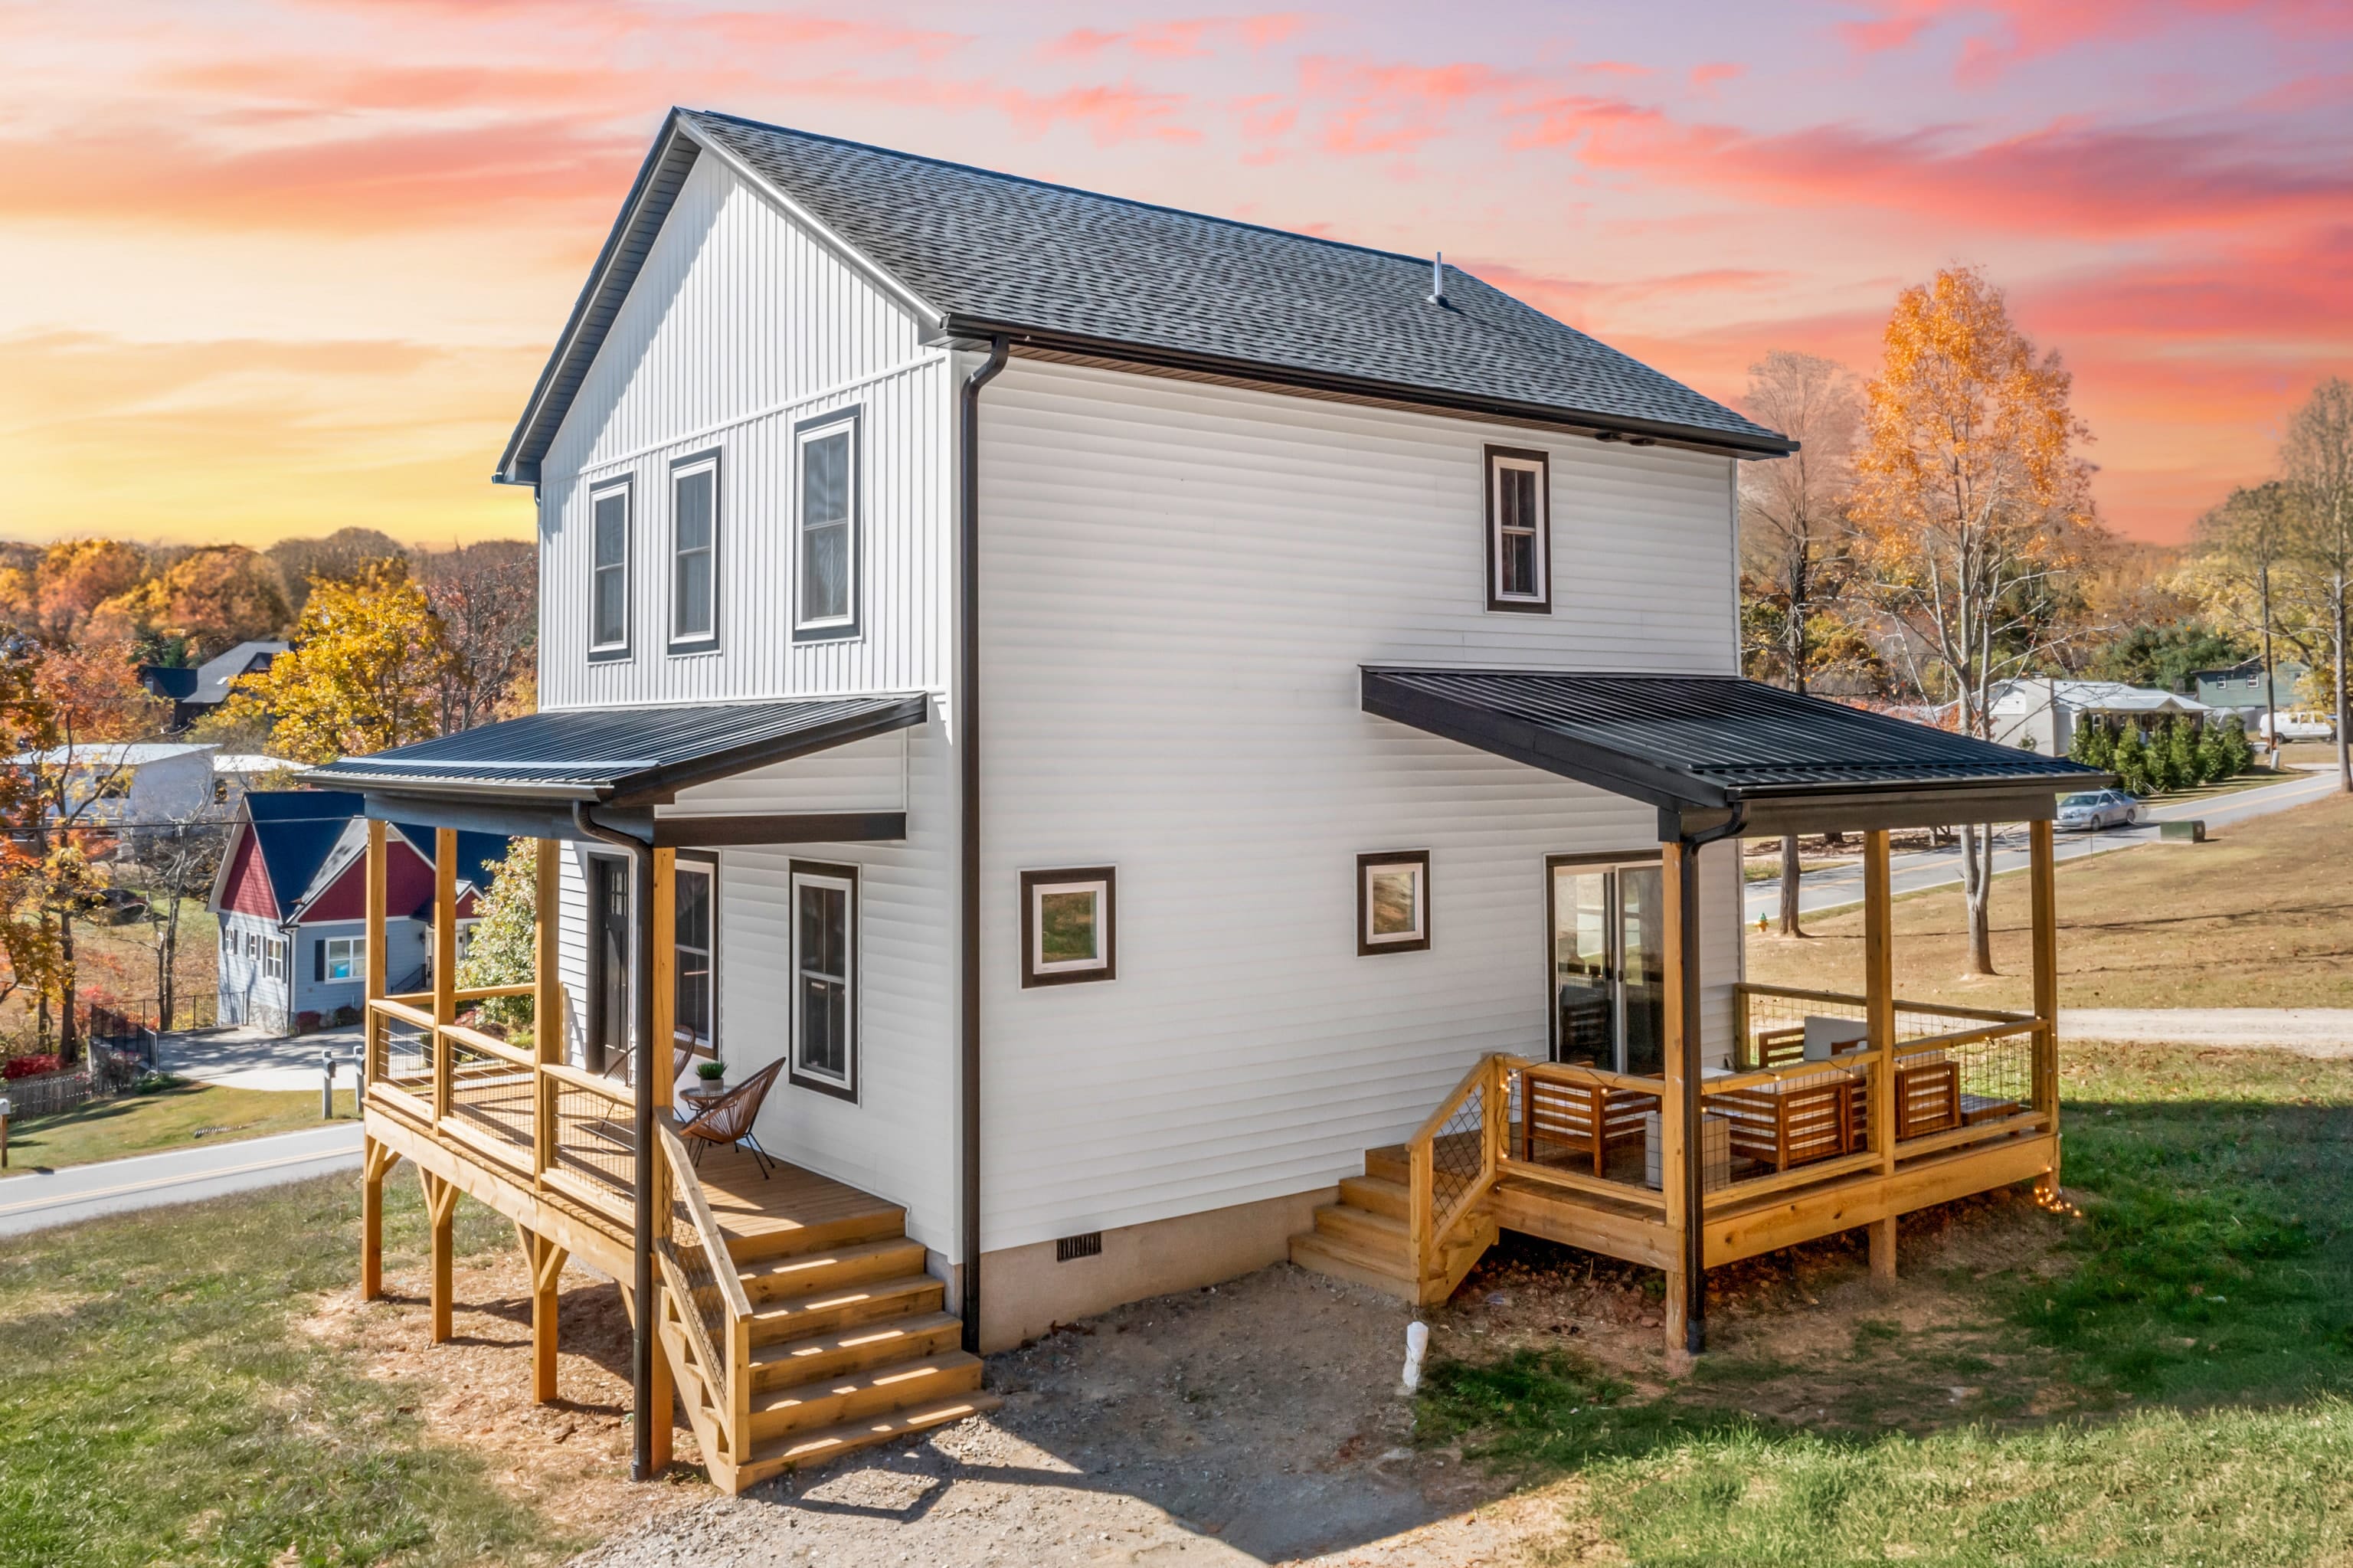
column 730, row 1367
column 1427, row 1228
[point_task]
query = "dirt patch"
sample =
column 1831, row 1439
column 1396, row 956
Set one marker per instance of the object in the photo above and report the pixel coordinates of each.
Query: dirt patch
column 1260, row 1421
column 569, row 1460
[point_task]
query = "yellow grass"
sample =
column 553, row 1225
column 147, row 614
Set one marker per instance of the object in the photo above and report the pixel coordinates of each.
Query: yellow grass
column 2256, row 916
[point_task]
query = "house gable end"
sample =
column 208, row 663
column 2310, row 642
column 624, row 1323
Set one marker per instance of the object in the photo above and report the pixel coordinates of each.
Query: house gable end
column 245, row 887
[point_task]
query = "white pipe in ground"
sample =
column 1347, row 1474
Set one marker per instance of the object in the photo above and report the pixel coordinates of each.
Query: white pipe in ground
column 1416, row 1345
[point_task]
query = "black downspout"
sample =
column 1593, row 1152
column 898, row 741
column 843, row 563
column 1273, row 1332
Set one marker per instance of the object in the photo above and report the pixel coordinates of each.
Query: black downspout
column 1694, row 1161
column 641, row 1076
column 967, row 717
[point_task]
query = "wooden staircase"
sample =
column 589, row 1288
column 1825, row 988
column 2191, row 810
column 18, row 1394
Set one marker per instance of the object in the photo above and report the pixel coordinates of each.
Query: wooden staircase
column 1365, row 1236
column 846, row 1344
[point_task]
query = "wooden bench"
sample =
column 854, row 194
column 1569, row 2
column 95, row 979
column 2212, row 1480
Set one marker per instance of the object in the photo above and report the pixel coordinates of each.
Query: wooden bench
column 1560, row 1122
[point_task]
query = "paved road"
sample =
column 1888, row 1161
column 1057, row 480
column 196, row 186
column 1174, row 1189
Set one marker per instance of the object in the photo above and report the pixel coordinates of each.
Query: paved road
column 1842, row 886
column 2323, row 1032
column 34, row 1200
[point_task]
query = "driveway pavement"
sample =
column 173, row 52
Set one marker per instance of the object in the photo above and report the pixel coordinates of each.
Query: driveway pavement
column 252, row 1059
column 1841, row 886
column 2325, row 1032
column 34, row 1200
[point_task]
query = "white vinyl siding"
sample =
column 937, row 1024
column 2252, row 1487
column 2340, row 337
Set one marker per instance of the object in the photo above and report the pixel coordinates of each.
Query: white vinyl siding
column 1179, row 584
column 742, row 327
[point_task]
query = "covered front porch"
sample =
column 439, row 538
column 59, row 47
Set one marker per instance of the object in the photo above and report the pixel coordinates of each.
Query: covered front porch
column 1811, row 1112
column 789, row 1314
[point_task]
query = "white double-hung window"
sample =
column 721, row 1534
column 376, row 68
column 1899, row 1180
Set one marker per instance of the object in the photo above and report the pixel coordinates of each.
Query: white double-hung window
column 825, row 977
column 1519, row 531
column 342, row 959
column 608, row 577
column 694, row 553
column 827, row 528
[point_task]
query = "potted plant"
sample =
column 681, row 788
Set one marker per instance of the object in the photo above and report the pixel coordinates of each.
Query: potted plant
column 711, row 1073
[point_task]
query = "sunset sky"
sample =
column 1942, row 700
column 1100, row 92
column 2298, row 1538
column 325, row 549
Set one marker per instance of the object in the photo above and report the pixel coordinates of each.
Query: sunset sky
column 281, row 266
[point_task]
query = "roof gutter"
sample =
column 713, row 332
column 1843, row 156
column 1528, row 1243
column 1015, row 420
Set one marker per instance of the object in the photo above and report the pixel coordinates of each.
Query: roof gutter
column 1604, row 426
column 967, row 716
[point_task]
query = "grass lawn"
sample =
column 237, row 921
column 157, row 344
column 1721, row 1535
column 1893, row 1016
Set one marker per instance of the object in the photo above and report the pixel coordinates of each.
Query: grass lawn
column 2254, row 917
column 169, row 1117
column 2162, row 1380
column 160, row 1403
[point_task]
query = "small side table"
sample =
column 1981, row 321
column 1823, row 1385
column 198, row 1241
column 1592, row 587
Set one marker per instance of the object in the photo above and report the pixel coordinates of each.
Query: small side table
column 702, row 1097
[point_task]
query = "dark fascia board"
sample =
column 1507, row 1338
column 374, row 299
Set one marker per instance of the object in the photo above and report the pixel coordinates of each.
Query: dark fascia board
column 1860, row 811
column 780, row 827
column 508, row 819
column 659, row 177
column 1617, row 426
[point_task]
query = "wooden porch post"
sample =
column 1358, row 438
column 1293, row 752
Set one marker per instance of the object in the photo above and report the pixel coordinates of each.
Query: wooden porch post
column 445, row 960
column 546, row 1000
column 375, row 1159
column 2043, row 873
column 1676, row 1165
column 440, row 1211
column 657, row 1060
column 546, row 1261
column 1879, row 1012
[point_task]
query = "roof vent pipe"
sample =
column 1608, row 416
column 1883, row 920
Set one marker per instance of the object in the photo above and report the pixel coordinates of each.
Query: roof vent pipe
column 1438, row 279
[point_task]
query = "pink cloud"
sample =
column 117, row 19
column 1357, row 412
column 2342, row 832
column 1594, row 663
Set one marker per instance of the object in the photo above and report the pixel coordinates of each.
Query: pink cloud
column 1193, row 37
column 2017, row 31
column 1705, row 77
column 1380, row 108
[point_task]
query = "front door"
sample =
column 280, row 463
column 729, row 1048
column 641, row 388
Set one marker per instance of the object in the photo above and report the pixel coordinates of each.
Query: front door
column 1608, row 965
column 608, row 1034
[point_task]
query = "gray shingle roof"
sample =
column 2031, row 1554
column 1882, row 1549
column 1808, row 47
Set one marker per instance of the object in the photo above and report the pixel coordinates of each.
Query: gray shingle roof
column 996, row 252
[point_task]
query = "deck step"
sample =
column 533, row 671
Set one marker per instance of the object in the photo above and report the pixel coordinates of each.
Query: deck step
column 1342, row 1260
column 876, row 1391
column 1379, row 1234
column 1389, row 1163
column 883, row 1223
column 801, row 1450
column 828, row 1312
column 827, row 1269
column 1379, row 1194
column 787, row 1363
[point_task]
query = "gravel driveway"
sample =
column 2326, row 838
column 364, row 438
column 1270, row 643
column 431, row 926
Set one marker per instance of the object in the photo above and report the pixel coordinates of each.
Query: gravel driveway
column 1257, row 1422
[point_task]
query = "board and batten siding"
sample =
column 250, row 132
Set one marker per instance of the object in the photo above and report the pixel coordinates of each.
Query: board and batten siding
column 1179, row 583
column 742, row 326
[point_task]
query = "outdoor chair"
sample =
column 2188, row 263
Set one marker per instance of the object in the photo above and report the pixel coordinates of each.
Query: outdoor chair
column 729, row 1119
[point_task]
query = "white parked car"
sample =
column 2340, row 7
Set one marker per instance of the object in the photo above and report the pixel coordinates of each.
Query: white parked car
column 2094, row 810
column 2299, row 723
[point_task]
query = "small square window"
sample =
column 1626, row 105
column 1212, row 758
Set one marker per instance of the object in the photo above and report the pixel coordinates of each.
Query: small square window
column 343, row 959
column 1067, row 931
column 1393, row 901
column 1519, row 531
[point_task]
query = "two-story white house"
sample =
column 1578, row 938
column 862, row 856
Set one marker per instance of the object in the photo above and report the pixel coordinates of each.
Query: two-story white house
column 1125, row 707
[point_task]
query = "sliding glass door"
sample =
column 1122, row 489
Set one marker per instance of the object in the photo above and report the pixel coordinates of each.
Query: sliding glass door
column 1608, row 965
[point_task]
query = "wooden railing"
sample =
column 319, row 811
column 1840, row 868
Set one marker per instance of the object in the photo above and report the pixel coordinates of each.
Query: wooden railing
column 705, row 1299
column 1450, row 1164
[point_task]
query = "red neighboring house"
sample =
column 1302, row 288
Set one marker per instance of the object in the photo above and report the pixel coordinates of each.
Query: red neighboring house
column 292, row 897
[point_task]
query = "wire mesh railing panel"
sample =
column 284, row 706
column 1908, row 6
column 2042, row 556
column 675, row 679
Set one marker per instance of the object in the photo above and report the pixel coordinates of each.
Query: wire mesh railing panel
column 403, row 1056
column 595, row 1141
column 1993, row 1078
column 494, row 1097
column 699, row 1261
column 1458, row 1157
column 1778, row 1025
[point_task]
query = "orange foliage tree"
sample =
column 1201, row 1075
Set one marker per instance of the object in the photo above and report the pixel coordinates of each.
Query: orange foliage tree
column 77, row 576
column 215, row 598
column 1972, row 506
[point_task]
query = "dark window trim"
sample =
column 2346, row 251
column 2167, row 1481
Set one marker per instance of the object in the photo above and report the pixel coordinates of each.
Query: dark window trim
column 1366, row 946
column 1487, row 469
column 705, row 861
column 708, row 644
column 1031, row 880
column 594, row 864
column 1594, row 860
column 853, row 416
column 627, row 485
column 794, row 871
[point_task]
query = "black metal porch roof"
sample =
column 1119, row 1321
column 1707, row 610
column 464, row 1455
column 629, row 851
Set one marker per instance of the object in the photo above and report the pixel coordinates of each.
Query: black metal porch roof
column 618, row 756
column 1708, row 743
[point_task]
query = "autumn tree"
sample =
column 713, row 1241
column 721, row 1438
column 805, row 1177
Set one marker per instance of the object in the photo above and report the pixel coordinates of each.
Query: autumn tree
column 486, row 596
column 2316, row 460
column 365, row 673
column 2243, row 557
column 1795, row 532
column 76, row 576
column 1971, row 505
column 337, row 558
column 215, row 598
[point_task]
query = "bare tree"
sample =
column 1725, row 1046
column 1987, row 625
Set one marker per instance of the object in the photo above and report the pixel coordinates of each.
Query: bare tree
column 1794, row 524
column 487, row 597
column 177, row 863
column 2240, row 544
column 2318, row 459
